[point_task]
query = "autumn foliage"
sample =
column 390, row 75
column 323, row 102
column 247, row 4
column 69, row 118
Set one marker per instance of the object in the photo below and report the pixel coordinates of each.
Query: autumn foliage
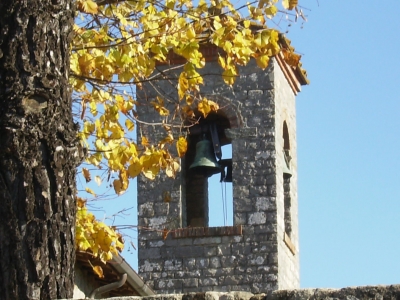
column 117, row 46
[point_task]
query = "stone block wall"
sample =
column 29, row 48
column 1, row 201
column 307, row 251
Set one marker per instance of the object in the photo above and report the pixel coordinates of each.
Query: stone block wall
column 211, row 263
column 255, row 254
column 288, row 242
column 388, row 292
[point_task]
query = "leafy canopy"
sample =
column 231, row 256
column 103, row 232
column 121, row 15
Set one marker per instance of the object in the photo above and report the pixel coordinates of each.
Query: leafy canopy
column 117, row 46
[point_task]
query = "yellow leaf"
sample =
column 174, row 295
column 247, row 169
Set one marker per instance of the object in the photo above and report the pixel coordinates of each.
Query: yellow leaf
column 221, row 62
column 271, row 11
column 181, row 146
column 98, row 180
column 117, row 184
column 121, row 18
column 189, row 100
column 163, row 111
column 190, row 33
column 88, row 6
column 95, row 159
column 170, row 4
column 217, row 24
column 229, row 75
column 82, row 243
column 88, row 128
column 262, row 3
column 151, row 164
column 151, row 171
column 106, row 256
column 159, row 106
column 74, row 64
column 132, row 150
column 167, row 140
column 121, row 184
column 117, row 131
column 183, row 85
column 119, row 245
column 129, row 125
column 145, row 142
column 227, row 46
column 187, row 112
column 289, row 4
column 98, row 271
column 96, row 236
column 214, row 106
column 88, row 190
column 172, row 168
column 134, row 168
column 93, row 108
column 125, row 76
column 204, row 107
column 86, row 174
column 262, row 61
column 123, row 176
column 80, row 202
column 193, row 77
column 86, row 63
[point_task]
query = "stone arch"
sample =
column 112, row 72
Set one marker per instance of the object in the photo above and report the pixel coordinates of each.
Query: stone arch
column 196, row 205
column 228, row 108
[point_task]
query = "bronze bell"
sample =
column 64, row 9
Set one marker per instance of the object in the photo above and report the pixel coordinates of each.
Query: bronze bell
column 204, row 160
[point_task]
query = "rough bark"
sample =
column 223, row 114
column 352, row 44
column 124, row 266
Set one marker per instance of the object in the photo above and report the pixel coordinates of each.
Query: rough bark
column 38, row 153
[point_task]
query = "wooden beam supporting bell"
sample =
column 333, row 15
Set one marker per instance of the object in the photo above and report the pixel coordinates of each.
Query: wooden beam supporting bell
column 226, row 176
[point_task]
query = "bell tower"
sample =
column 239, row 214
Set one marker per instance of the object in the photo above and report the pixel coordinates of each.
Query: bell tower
column 178, row 251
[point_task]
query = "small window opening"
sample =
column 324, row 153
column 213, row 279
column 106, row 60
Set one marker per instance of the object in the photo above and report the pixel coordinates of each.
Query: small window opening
column 287, row 204
column 286, row 142
column 201, row 162
column 286, row 180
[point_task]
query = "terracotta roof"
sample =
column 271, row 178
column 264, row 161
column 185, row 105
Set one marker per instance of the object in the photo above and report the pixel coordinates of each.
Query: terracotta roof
column 300, row 72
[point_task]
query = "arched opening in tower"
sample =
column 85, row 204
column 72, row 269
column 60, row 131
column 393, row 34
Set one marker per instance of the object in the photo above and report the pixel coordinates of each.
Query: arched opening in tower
column 205, row 163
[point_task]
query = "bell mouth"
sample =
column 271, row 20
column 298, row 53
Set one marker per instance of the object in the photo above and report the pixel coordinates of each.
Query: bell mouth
column 205, row 171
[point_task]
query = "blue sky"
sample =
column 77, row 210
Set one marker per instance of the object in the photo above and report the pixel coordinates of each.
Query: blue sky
column 348, row 129
column 348, row 145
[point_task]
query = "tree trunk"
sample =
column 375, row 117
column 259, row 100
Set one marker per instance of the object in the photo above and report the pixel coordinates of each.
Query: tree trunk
column 38, row 151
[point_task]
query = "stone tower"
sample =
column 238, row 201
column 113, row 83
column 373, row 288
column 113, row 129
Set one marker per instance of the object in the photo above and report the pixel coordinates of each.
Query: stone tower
column 178, row 251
